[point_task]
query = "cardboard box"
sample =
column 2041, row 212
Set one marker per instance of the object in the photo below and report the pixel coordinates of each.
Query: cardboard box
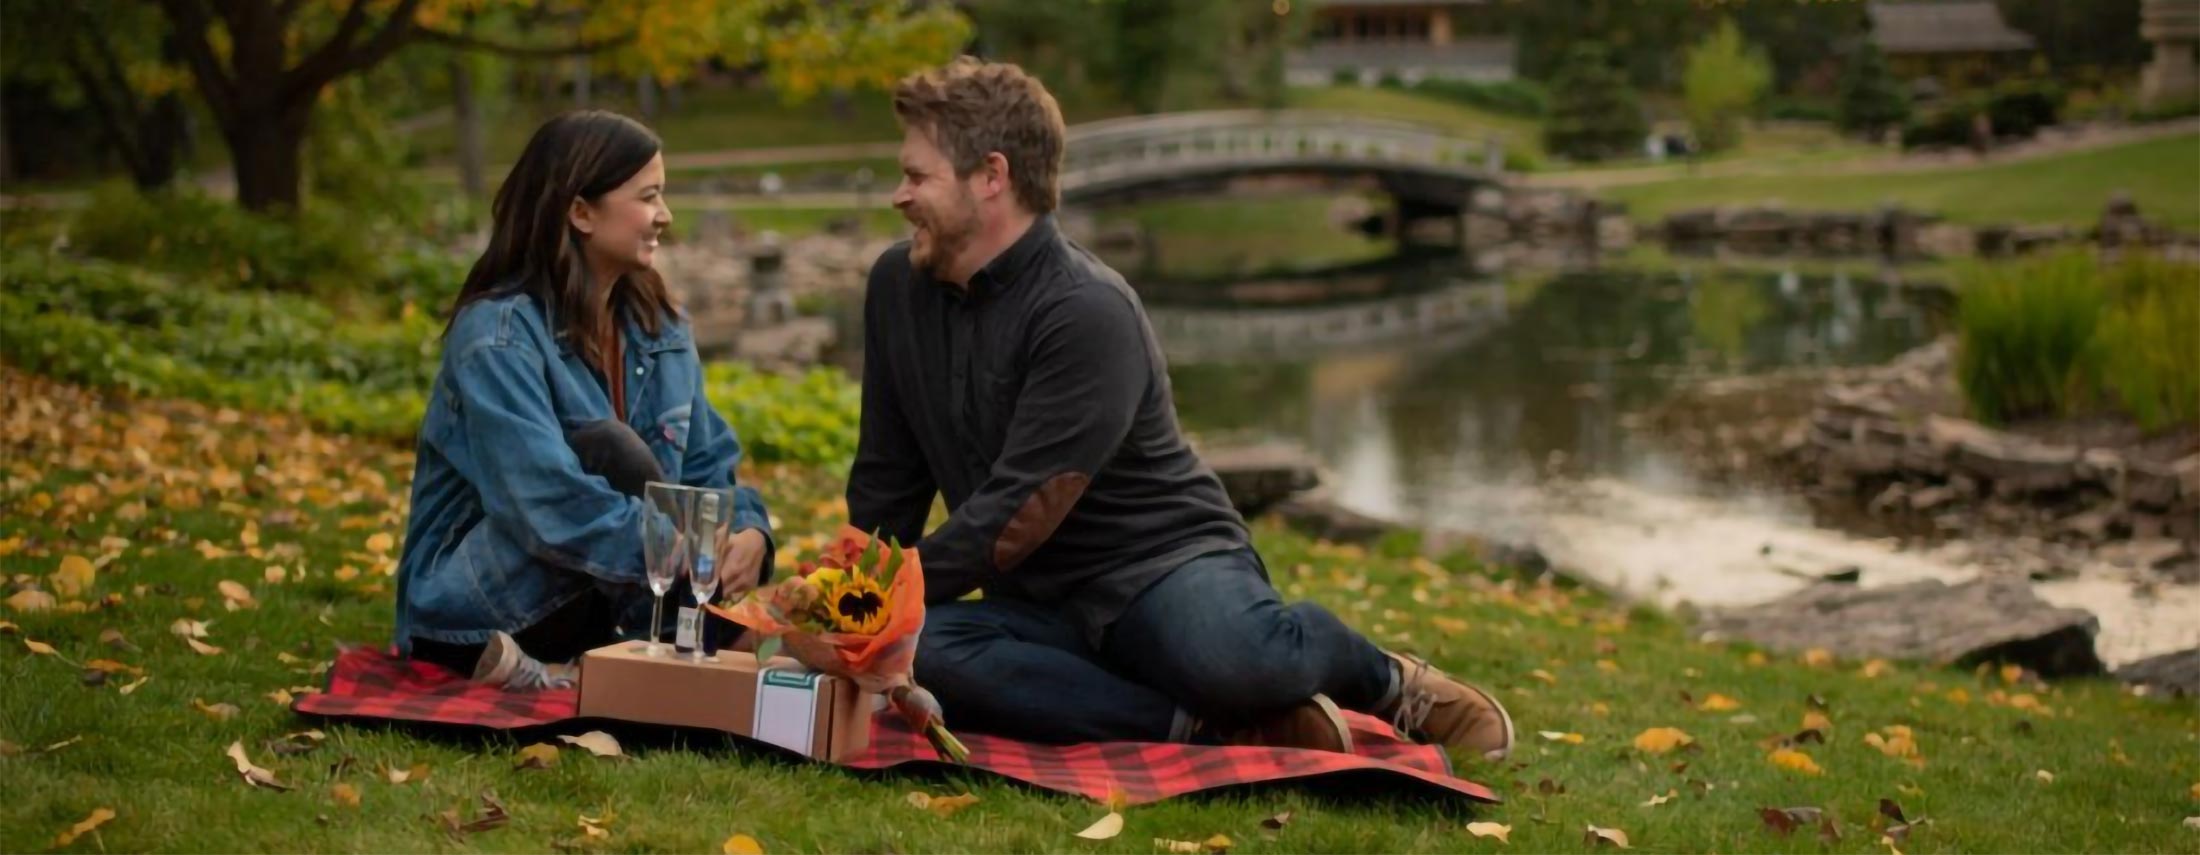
column 782, row 702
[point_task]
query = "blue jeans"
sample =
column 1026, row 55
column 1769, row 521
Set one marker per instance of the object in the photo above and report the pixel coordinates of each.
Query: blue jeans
column 1212, row 642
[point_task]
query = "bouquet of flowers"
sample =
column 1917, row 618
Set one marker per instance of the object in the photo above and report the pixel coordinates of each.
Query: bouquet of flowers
column 854, row 613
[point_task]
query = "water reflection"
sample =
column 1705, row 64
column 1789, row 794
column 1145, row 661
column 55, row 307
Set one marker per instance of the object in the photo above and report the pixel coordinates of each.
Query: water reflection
column 1439, row 399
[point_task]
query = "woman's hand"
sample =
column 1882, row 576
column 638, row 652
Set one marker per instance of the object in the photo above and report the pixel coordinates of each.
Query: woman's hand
column 741, row 562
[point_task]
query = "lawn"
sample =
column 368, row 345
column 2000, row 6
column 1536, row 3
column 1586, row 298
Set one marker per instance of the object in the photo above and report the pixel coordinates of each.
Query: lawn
column 2162, row 175
column 168, row 501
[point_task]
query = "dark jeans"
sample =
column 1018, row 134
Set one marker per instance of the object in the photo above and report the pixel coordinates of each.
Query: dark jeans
column 616, row 453
column 1212, row 639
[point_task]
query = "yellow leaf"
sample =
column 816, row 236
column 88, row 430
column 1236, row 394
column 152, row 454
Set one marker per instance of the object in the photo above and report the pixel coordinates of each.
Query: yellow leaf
column 39, row 647
column 1958, row 696
column 1660, row 740
column 1888, row 841
column 217, row 712
column 131, row 686
column 188, row 628
column 1815, row 720
column 1795, row 761
column 1502, row 832
column 30, row 600
column 274, row 574
column 1106, row 829
column 741, row 844
column 98, row 818
column 1605, row 836
column 1874, row 668
column 112, row 667
column 594, row 827
column 1600, row 708
column 1818, row 657
column 944, row 806
column 1608, row 666
column 202, row 647
column 1757, row 657
column 2012, row 673
column 2196, row 791
column 74, row 577
column 381, row 542
column 1558, row 736
column 597, row 742
column 1545, row 676
column 253, row 775
column 540, row 755
column 2046, row 777
column 250, row 536
column 236, row 596
column 1449, row 626
column 280, row 697
column 1659, row 800
column 344, row 794
column 1719, row 703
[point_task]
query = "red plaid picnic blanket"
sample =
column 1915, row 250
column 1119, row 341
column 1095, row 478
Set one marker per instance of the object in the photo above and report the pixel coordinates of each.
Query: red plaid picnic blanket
column 375, row 684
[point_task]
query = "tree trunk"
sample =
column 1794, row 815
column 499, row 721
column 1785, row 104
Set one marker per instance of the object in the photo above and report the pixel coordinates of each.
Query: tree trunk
column 160, row 143
column 645, row 96
column 583, row 81
column 466, row 120
column 267, row 149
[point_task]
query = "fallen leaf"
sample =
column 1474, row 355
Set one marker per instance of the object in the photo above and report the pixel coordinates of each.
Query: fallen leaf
column 1277, row 822
column 1106, row 829
column 1557, row 736
column 741, row 844
column 1719, row 703
column 202, row 647
column 1604, row 836
column 39, row 647
column 8, row 627
column 1874, row 668
column 344, row 794
column 592, row 827
column 9, row 749
column 1888, row 841
column 114, row 638
column 1502, row 832
column 2045, row 777
column 418, row 772
column 1659, row 800
column 1545, row 676
column 381, row 542
column 1890, row 810
column 110, row 666
column 30, row 600
column 62, row 744
column 236, row 596
column 274, row 574
column 2193, row 822
column 2010, row 674
column 253, row 775
column 280, row 697
column 217, row 712
column 131, row 686
column 1815, row 720
column 1660, row 740
column 540, row 755
column 188, row 628
column 597, row 742
column 2196, row 791
column 1818, row 657
column 1549, row 787
column 98, row 817
column 1828, row 830
column 74, row 578
column 1795, row 761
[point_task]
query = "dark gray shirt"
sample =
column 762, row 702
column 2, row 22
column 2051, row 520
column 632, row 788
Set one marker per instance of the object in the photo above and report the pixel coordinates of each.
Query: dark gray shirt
column 1037, row 402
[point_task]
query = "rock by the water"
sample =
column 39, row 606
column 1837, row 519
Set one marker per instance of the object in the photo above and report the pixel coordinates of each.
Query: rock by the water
column 1257, row 477
column 1326, row 519
column 2176, row 673
column 1986, row 620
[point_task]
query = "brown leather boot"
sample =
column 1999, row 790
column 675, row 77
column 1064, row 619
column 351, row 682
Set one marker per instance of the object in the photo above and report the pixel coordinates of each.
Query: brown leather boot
column 1435, row 707
column 1316, row 724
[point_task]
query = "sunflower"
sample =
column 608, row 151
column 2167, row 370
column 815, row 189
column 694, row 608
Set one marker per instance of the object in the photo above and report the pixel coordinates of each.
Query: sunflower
column 856, row 604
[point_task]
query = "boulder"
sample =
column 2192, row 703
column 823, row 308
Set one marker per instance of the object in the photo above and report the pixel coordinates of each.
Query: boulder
column 1257, row 477
column 1319, row 517
column 1985, row 620
column 2175, row 673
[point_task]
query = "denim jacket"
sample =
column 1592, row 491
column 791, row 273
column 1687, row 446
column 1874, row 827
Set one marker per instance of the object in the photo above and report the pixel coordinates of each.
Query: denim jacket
column 505, row 526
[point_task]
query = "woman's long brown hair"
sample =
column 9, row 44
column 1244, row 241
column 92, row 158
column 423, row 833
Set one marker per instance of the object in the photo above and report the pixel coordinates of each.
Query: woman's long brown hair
column 533, row 247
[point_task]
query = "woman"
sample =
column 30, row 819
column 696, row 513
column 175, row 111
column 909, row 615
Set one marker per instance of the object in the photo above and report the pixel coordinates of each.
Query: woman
column 568, row 381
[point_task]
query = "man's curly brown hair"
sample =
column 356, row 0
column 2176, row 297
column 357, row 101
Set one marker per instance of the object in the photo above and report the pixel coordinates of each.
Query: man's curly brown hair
column 970, row 108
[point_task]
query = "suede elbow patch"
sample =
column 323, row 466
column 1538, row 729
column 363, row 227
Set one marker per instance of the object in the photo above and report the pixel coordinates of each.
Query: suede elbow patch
column 1036, row 521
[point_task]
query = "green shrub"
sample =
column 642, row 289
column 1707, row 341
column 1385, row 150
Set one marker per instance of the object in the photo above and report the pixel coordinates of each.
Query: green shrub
column 112, row 325
column 2067, row 335
column 806, row 418
column 187, row 232
column 1513, row 97
column 1595, row 114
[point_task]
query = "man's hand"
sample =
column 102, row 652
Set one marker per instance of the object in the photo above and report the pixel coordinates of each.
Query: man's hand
column 740, row 562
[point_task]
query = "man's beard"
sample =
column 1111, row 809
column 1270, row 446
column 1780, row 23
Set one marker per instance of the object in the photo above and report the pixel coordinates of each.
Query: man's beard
column 946, row 233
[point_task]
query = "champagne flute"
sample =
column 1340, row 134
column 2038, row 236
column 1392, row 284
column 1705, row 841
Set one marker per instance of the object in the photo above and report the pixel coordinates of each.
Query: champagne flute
column 710, row 515
column 663, row 548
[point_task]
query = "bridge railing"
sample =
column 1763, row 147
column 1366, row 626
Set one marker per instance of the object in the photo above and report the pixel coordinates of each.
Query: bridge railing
column 1121, row 148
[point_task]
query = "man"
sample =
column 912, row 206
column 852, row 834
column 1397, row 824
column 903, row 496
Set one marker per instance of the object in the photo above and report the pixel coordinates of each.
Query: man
column 1011, row 371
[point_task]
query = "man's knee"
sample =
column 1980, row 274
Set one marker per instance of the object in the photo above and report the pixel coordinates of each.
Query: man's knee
column 613, row 451
column 953, row 634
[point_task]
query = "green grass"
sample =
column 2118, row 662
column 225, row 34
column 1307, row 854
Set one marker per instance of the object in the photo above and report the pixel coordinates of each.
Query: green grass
column 2160, row 174
column 1519, row 134
column 708, row 119
column 1217, row 236
column 2123, row 766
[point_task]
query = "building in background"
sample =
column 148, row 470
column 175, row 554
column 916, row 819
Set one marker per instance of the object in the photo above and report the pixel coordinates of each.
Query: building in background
column 1366, row 41
column 1947, row 46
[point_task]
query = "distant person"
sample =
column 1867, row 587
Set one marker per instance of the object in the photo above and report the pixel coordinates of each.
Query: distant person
column 1012, row 372
column 568, row 382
